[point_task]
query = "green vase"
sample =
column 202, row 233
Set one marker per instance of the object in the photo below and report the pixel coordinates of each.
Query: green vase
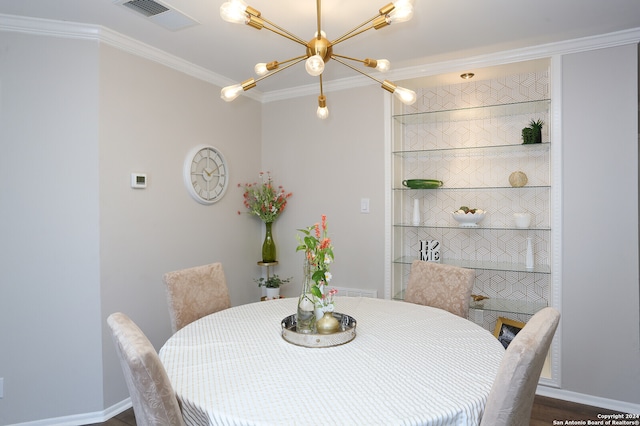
column 268, row 246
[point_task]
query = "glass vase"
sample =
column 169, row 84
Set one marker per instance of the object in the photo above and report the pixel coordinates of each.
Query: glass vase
column 305, row 318
column 268, row 246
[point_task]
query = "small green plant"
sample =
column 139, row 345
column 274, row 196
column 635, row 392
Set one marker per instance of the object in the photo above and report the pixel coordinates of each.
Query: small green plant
column 532, row 133
column 274, row 281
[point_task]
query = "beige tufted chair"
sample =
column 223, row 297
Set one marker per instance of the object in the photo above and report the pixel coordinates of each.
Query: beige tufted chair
column 511, row 397
column 153, row 398
column 442, row 286
column 196, row 292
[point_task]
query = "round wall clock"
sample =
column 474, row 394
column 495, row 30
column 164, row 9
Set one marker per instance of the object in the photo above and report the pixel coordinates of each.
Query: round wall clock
column 206, row 174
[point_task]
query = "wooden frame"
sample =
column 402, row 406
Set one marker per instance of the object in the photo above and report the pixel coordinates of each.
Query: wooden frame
column 506, row 329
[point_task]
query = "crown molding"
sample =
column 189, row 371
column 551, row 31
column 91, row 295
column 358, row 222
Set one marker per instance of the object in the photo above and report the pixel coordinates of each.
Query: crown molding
column 98, row 33
column 73, row 30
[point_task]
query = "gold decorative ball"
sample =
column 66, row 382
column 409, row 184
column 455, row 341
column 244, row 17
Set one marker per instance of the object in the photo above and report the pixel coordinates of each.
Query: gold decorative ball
column 518, row 179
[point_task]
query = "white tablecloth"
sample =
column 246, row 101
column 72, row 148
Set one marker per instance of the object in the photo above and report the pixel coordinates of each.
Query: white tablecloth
column 408, row 365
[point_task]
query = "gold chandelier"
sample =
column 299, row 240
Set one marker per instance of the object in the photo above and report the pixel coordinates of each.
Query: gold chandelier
column 318, row 50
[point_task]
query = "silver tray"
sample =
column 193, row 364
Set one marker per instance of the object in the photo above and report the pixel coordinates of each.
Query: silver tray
column 311, row 340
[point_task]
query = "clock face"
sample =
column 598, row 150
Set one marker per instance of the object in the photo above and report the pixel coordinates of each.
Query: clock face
column 206, row 174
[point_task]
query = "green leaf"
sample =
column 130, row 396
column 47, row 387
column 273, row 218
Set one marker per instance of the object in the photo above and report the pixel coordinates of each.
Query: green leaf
column 316, row 291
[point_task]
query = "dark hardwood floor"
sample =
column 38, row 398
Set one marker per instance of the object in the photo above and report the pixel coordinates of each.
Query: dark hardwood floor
column 545, row 411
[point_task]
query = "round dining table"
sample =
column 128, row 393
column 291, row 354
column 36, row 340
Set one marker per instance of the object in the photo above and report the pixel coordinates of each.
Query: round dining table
column 408, row 365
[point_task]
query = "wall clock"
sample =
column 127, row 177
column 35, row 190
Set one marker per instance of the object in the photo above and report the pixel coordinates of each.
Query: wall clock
column 206, row 174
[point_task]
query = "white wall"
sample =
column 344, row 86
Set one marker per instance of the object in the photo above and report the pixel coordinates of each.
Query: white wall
column 600, row 312
column 77, row 242
column 329, row 166
column 50, row 343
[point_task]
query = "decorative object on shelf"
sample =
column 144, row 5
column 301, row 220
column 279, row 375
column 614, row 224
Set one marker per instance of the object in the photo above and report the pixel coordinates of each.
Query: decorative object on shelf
column 518, row 179
column 468, row 218
column 328, row 324
column 522, row 220
column 319, row 252
column 305, row 317
column 529, row 256
column 430, row 250
column 422, row 183
column 415, row 219
column 272, row 284
column 532, row 133
column 478, row 297
column 206, row 174
column 346, row 333
column 267, row 202
column 319, row 49
column 506, row 329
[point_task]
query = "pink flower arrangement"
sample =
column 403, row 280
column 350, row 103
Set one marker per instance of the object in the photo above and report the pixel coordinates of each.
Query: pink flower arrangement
column 264, row 199
column 319, row 252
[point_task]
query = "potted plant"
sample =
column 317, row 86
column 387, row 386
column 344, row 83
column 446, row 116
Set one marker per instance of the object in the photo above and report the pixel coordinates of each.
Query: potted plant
column 532, row 133
column 272, row 284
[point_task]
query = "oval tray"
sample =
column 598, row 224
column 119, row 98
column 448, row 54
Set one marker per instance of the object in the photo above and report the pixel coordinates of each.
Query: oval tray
column 311, row 340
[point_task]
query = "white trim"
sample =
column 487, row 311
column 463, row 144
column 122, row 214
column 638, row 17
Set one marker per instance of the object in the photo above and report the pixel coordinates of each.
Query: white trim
column 83, row 419
column 435, row 67
column 556, row 212
column 388, row 183
column 594, row 401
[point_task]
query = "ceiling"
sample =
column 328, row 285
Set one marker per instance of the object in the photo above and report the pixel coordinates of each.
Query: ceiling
column 439, row 30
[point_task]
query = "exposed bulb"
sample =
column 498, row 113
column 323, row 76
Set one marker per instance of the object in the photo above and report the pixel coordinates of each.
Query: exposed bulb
column 261, row 68
column 402, row 12
column 229, row 93
column 406, row 96
column 322, row 34
column 314, row 65
column 234, row 11
column 322, row 112
column 383, row 65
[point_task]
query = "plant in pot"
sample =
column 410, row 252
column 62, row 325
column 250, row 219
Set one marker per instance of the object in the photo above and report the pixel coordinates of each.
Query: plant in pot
column 532, row 133
column 272, row 284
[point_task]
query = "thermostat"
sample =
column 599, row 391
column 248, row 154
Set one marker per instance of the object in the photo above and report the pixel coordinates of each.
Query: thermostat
column 138, row 180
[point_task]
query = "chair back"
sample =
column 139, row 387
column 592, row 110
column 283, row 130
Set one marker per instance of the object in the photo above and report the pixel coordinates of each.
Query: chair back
column 442, row 286
column 511, row 397
column 196, row 292
column 154, row 401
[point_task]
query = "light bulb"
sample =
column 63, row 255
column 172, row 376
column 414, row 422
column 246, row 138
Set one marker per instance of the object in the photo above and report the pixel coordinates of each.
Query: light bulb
column 383, row 65
column 406, row 96
column 402, row 12
column 261, row 68
column 322, row 34
column 314, row 65
column 234, row 11
column 322, row 112
column 229, row 93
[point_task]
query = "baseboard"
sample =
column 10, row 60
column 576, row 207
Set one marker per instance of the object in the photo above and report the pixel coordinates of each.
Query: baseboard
column 594, row 401
column 83, row 419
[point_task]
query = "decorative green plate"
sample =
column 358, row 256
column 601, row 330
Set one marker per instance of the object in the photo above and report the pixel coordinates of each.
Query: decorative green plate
column 422, row 183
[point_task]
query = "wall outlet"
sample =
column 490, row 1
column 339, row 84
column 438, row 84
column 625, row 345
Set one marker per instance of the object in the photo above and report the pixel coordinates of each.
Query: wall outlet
column 1, row 387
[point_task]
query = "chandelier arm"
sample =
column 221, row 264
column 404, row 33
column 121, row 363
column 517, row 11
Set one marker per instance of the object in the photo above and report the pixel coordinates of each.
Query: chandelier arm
column 277, row 70
column 321, row 92
column 282, row 32
column 318, row 17
column 347, row 57
column 356, row 69
column 297, row 58
column 351, row 32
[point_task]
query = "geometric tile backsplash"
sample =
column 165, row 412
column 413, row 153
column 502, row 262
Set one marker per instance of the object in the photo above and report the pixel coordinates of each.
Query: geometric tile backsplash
column 468, row 135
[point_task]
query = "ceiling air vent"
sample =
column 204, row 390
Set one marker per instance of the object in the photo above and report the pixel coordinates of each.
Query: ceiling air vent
column 159, row 13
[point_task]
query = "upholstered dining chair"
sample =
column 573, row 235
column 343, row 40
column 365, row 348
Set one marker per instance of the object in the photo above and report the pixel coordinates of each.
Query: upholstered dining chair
column 196, row 292
column 511, row 397
column 442, row 286
column 154, row 401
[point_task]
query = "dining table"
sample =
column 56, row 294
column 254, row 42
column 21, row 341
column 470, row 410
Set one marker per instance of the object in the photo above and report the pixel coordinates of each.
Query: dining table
column 408, row 364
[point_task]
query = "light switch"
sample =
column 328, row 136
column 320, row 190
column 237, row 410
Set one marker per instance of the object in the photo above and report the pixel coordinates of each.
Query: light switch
column 364, row 205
